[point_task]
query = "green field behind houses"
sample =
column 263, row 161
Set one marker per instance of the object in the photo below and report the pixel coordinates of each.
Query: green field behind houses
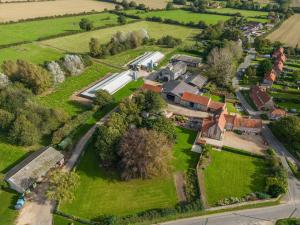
column 233, row 175
column 34, row 30
column 182, row 16
column 79, row 43
column 34, row 53
column 102, row 192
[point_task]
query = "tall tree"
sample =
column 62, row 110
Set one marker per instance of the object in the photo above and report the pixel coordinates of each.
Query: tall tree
column 144, row 154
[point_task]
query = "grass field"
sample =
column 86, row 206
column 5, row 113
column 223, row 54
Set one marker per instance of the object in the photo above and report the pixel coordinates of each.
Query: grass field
column 60, row 98
column 153, row 4
column 288, row 33
column 104, row 189
column 233, row 175
column 59, row 220
column 32, row 52
column 80, row 42
column 33, row 30
column 26, row 10
column 230, row 107
column 290, row 221
column 245, row 13
column 180, row 15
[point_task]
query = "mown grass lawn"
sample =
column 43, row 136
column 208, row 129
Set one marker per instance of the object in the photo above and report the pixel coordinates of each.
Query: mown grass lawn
column 102, row 192
column 180, row 16
column 34, row 53
column 233, row 175
column 34, row 30
column 230, row 108
column 59, row 220
column 80, row 42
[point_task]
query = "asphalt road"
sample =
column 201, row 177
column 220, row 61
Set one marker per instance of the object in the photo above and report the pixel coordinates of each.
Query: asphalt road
column 291, row 207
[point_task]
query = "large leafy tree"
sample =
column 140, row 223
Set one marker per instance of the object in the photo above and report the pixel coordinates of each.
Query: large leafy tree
column 153, row 102
column 32, row 76
column 62, row 185
column 144, row 154
column 264, row 67
column 103, row 98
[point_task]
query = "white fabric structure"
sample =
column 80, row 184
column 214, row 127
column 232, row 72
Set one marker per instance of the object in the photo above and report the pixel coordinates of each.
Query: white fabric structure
column 147, row 60
column 111, row 84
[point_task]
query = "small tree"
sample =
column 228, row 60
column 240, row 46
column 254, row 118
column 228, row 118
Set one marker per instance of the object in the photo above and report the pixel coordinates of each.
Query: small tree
column 264, row 67
column 86, row 24
column 103, row 98
column 169, row 6
column 154, row 102
column 62, row 185
column 121, row 19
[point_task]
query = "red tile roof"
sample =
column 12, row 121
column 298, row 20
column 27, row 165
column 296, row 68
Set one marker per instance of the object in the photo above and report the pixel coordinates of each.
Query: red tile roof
column 271, row 75
column 247, row 123
column 189, row 97
column 153, row 88
column 278, row 52
column 259, row 97
column 278, row 112
column 216, row 105
column 278, row 66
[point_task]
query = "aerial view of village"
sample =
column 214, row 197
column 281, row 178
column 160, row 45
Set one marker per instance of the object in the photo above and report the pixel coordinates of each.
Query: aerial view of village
column 169, row 112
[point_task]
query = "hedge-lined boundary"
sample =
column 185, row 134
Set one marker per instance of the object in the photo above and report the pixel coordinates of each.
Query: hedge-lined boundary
column 69, row 33
column 241, row 152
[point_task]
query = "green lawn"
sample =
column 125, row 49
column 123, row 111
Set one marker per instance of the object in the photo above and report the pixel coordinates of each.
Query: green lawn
column 34, row 30
column 102, row 192
column 231, row 108
column 180, row 15
column 245, row 13
column 80, row 42
column 8, row 214
column 60, row 98
column 215, row 98
column 31, row 52
column 233, row 175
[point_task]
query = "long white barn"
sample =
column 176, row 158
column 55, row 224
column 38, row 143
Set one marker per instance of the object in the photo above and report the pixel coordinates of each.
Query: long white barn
column 111, row 84
column 147, row 60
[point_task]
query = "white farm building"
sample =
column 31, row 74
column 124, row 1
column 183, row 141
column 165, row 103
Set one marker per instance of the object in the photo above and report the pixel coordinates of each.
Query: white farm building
column 111, row 84
column 147, row 61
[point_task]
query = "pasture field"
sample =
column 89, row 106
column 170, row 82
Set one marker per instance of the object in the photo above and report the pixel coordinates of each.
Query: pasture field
column 115, row 197
column 80, row 42
column 33, row 52
column 29, row 10
column 34, row 30
column 245, row 13
column 233, row 175
column 180, row 16
column 288, row 33
column 295, row 3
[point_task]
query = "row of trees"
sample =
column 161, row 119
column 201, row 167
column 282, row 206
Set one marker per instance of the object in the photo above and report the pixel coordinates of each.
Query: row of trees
column 119, row 42
column 137, row 139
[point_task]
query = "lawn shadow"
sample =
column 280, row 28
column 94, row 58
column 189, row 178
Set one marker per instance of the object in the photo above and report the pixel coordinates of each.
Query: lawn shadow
column 258, row 178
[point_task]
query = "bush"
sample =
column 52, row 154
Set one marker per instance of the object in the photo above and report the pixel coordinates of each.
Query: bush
column 192, row 186
column 169, row 41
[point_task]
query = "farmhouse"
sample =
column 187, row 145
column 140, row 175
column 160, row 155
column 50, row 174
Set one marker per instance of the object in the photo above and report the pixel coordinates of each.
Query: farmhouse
column 278, row 66
column 196, row 80
column 111, row 84
column 189, row 60
column 33, row 168
column 215, row 127
column 276, row 114
column 173, row 90
column 270, row 77
column 260, row 98
column 172, row 71
column 147, row 61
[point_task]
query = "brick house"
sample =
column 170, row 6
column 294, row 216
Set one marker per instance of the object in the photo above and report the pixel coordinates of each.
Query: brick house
column 270, row 77
column 261, row 98
column 194, row 101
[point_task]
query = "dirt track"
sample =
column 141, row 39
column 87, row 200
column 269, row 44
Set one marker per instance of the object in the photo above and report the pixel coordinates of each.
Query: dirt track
column 17, row 11
column 289, row 32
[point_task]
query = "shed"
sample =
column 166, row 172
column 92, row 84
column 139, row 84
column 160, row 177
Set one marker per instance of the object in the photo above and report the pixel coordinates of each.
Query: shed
column 189, row 60
column 32, row 168
column 196, row 80
column 146, row 61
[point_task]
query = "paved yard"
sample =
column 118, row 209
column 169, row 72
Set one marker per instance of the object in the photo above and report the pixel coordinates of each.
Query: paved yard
column 179, row 110
column 247, row 142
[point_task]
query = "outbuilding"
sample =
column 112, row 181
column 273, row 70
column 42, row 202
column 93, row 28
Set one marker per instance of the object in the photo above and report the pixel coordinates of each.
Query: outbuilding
column 21, row 177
